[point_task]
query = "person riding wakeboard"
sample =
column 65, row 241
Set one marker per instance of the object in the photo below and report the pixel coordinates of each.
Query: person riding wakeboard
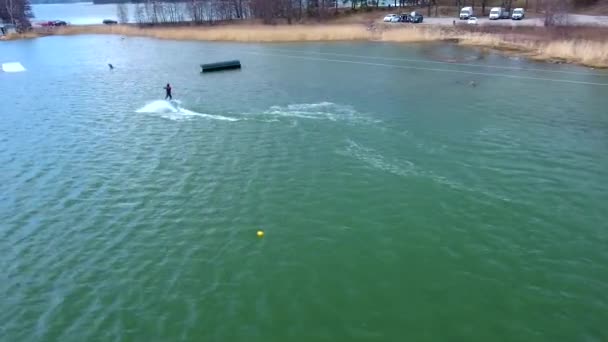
column 168, row 92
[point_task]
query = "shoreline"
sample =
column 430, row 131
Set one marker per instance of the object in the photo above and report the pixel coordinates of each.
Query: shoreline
column 574, row 46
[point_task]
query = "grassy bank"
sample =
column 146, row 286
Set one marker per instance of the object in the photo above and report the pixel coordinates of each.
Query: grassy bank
column 576, row 45
column 581, row 45
column 17, row 36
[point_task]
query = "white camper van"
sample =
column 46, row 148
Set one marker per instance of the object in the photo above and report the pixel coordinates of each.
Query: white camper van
column 466, row 13
column 518, row 14
column 498, row 13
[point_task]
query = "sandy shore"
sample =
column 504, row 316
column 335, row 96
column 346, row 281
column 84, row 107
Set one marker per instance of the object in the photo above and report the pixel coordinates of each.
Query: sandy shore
column 586, row 49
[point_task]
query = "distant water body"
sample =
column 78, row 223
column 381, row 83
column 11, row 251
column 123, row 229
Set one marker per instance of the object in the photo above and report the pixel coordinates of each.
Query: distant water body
column 407, row 193
column 81, row 13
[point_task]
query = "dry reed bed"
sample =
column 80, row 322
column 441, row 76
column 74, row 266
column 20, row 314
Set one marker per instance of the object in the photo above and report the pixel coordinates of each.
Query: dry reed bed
column 17, row 36
column 240, row 33
column 538, row 44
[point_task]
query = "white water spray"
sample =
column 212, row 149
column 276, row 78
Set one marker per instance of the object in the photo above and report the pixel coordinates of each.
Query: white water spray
column 173, row 110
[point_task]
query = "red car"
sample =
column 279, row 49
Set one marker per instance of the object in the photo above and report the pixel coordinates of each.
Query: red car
column 53, row 23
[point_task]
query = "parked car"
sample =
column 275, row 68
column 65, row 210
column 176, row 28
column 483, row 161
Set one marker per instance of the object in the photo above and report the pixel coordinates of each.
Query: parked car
column 53, row 23
column 415, row 18
column 396, row 19
column 466, row 13
column 472, row 21
column 110, row 22
column 389, row 17
column 518, row 14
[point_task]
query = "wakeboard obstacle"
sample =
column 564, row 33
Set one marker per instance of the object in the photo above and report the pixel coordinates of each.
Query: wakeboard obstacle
column 218, row 66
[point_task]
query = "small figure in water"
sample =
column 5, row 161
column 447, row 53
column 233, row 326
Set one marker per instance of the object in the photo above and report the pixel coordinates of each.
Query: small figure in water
column 111, row 66
column 168, row 90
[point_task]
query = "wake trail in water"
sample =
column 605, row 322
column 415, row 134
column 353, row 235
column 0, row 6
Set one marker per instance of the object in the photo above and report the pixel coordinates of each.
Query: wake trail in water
column 317, row 111
column 173, row 110
column 406, row 168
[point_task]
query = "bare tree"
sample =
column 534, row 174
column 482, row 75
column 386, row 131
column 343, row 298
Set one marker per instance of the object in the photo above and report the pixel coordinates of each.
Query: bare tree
column 300, row 9
column 160, row 11
column 195, row 11
column 122, row 13
column 264, row 9
column 10, row 10
column 175, row 12
column 288, row 10
column 238, row 8
column 353, row 3
column 139, row 14
column 16, row 12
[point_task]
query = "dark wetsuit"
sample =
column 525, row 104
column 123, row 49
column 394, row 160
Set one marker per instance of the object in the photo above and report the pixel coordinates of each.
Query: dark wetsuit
column 168, row 96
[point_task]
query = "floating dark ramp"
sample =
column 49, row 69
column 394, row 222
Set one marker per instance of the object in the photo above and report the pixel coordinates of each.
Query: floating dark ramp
column 227, row 65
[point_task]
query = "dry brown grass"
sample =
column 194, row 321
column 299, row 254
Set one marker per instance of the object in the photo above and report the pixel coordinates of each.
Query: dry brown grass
column 16, row 36
column 413, row 33
column 588, row 53
column 492, row 40
column 582, row 45
column 535, row 43
column 240, row 33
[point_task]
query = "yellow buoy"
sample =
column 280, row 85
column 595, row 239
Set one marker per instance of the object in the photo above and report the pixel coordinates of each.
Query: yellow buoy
column 260, row 233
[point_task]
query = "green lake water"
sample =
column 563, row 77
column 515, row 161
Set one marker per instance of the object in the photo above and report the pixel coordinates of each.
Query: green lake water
column 400, row 201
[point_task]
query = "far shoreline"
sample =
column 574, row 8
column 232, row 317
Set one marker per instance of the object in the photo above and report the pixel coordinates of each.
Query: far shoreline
column 587, row 46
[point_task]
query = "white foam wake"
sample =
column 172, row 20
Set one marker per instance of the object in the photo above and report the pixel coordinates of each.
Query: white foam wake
column 173, row 110
column 159, row 107
column 320, row 111
column 315, row 111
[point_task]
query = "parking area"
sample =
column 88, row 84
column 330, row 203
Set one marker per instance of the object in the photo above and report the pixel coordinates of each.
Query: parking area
column 572, row 19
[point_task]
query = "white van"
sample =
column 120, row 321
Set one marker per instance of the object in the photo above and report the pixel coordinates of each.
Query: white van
column 497, row 13
column 466, row 13
column 518, row 14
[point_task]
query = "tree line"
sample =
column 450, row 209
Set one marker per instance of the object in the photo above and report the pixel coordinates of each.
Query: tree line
column 205, row 11
column 153, row 12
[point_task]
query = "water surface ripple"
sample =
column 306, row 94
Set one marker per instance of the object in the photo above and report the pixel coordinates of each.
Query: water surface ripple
column 397, row 204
